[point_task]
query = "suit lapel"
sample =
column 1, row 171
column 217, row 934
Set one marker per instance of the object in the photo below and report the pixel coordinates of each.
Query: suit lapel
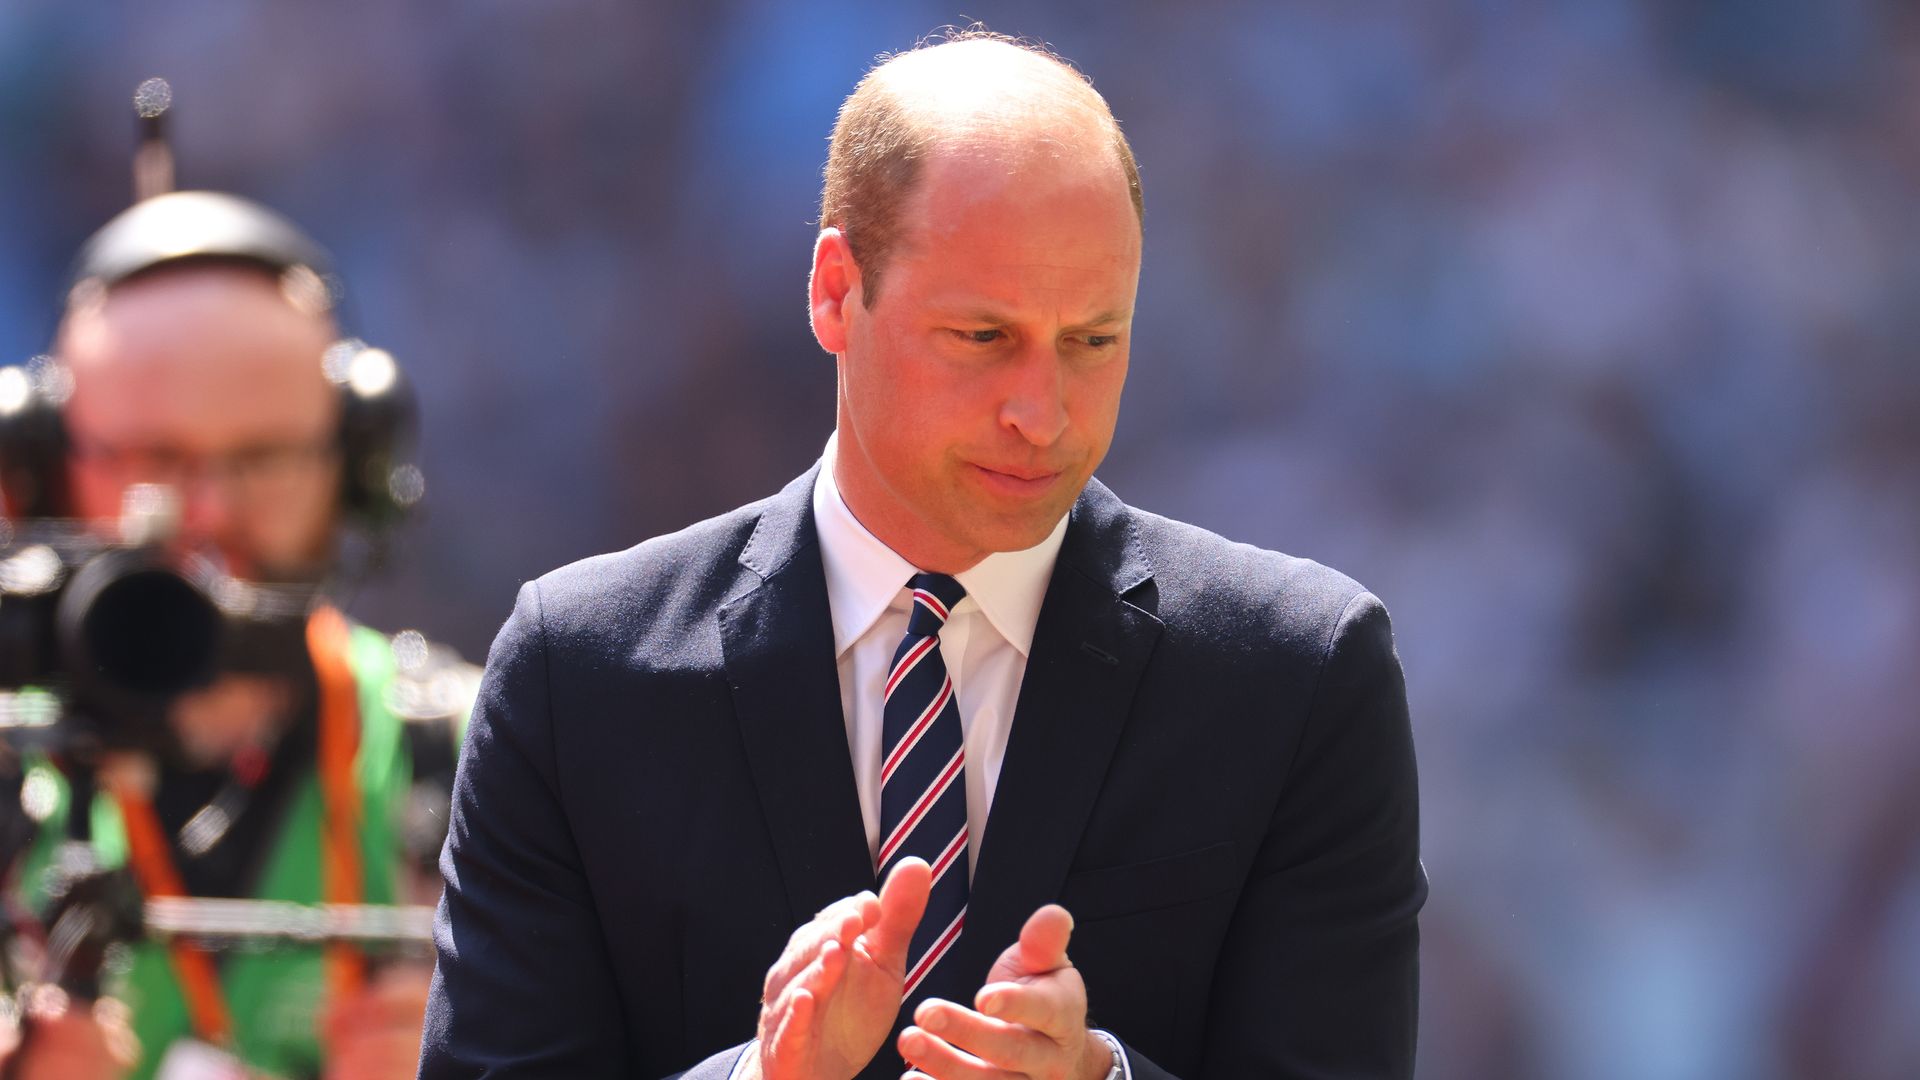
column 1089, row 650
column 777, row 638
column 1090, row 647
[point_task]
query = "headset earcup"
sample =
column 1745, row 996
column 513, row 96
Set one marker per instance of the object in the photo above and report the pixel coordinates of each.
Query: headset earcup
column 379, row 418
column 33, row 447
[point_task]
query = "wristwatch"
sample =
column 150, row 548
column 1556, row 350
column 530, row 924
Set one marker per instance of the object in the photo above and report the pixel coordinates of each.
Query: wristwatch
column 1119, row 1070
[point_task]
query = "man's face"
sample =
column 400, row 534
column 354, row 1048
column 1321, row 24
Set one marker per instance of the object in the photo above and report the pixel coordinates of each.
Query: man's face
column 980, row 390
column 208, row 379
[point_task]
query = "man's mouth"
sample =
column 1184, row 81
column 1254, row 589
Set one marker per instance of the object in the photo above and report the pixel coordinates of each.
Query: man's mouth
column 1017, row 479
column 1019, row 473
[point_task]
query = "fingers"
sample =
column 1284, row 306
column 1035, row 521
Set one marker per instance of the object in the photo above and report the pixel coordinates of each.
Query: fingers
column 1054, row 1004
column 937, row 1059
column 1043, row 940
column 903, row 899
column 1034, row 985
column 834, row 926
column 1041, row 948
column 788, row 1034
column 1036, row 1028
column 826, row 990
column 822, row 976
column 996, row 1043
column 841, row 921
column 792, row 1037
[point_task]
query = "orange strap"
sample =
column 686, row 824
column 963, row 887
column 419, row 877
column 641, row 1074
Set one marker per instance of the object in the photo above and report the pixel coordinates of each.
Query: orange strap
column 328, row 640
column 153, row 867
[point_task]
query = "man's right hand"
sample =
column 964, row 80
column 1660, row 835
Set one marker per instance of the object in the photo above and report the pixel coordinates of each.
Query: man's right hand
column 832, row 997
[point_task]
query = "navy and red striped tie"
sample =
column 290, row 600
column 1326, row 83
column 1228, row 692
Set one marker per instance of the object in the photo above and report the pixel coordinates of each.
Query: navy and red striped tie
column 923, row 791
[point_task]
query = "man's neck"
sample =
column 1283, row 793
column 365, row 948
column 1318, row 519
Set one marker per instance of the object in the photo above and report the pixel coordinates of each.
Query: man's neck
column 866, row 508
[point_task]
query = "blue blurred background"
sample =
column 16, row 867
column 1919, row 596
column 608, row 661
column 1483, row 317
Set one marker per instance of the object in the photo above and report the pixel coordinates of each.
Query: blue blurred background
column 1581, row 331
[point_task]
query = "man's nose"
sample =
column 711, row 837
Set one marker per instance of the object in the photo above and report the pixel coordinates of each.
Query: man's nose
column 207, row 507
column 1035, row 402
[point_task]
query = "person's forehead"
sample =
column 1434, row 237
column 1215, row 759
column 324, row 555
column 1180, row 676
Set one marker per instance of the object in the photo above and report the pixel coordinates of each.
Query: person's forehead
column 1059, row 221
column 198, row 358
column 1012, row 171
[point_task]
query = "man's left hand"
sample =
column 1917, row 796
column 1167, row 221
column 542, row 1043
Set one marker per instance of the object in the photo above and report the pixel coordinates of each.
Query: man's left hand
column 1029, row 1020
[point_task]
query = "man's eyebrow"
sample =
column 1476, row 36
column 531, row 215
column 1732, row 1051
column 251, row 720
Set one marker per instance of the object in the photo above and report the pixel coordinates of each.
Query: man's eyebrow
column 992, row 317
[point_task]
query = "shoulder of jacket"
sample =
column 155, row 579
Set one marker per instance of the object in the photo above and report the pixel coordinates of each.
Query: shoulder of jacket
column 1223, row 588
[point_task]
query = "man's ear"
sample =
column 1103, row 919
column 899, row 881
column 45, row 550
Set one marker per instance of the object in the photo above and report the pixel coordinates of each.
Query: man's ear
column 833, row 289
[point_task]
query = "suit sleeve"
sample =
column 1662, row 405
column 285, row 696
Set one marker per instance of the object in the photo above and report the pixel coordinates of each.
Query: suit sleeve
column 1319, row 974
column 523, row 986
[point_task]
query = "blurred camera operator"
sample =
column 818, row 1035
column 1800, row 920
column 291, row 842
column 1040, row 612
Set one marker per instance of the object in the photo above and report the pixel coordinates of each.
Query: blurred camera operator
column 199, row 352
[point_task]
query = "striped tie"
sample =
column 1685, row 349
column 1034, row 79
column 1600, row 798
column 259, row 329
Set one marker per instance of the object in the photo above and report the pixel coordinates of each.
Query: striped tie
column 923, row 793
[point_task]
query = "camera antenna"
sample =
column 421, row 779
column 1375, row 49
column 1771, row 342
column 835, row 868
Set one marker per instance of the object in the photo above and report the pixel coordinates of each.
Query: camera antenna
column 153, row 161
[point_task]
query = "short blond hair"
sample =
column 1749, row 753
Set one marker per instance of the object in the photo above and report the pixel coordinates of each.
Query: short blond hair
column 880, row 142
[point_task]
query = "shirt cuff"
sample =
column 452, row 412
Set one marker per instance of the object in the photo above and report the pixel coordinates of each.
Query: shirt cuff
column 1126, row 1066
column 753, row 1044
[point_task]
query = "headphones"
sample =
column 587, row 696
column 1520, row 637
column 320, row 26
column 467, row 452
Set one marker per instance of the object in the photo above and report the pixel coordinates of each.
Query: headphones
column 378, row 412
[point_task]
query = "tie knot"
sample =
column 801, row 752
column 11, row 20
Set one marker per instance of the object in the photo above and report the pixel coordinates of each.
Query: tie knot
column 933, row 598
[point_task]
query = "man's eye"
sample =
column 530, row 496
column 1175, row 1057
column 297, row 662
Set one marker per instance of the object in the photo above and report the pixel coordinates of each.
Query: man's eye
column 1101, row 341
column 980, row 337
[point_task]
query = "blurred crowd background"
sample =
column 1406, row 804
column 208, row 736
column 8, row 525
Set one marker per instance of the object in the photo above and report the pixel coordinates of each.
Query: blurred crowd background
column 1583, row 332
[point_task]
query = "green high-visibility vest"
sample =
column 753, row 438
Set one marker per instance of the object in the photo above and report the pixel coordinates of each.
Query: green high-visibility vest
column 275, row 997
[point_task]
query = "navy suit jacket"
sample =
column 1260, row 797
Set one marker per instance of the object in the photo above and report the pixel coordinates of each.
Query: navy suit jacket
column 1210, row 766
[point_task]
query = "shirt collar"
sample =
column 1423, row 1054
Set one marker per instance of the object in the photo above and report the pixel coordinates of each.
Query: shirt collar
column 864, row 575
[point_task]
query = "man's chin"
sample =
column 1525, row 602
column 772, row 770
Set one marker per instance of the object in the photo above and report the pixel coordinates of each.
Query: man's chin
column 1004, row 532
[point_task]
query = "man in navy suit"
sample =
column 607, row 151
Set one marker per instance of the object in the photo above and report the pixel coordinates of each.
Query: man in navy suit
column 1138, row 801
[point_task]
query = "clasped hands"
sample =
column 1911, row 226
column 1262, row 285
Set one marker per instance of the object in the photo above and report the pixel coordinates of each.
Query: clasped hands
column 832, row 997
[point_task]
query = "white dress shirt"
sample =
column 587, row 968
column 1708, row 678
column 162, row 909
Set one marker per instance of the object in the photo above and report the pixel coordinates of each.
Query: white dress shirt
column 985, row 644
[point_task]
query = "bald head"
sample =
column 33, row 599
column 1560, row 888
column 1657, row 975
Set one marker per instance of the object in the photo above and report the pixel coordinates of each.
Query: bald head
column 161, row 357
column 974, row 94
column 208, row 378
